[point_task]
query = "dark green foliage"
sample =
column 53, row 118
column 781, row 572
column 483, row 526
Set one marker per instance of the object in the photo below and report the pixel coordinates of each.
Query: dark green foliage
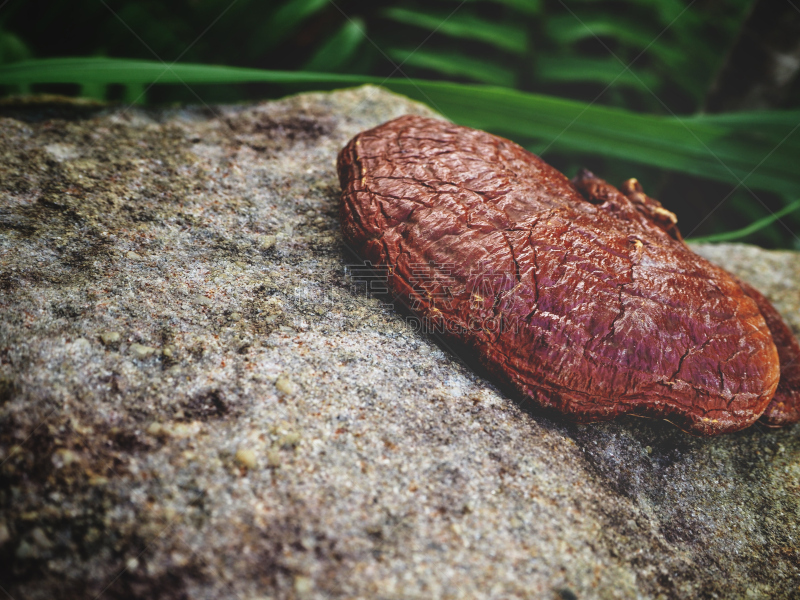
column 638, row 71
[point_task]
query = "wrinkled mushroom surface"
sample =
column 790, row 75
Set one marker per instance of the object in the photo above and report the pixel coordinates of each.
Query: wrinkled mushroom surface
column 580, row 296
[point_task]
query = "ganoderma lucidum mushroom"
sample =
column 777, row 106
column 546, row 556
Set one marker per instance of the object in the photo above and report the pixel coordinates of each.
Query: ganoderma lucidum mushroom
column 580, row 296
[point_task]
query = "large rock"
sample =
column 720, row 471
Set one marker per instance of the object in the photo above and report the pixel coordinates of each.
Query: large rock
column 197, row 401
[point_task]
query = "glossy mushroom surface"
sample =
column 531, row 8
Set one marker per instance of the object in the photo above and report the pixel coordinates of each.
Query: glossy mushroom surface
column 581, row 297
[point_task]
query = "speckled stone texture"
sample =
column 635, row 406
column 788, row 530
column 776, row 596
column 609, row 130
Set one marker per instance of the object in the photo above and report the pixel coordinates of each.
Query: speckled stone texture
column 198, row 401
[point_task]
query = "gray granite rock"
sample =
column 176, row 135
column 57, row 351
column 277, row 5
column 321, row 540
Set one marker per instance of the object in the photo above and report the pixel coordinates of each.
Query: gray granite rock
column 197, row 401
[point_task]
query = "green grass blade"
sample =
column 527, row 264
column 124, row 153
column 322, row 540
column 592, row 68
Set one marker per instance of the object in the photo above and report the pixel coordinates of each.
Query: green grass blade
column 670, row 12
column 727, row 148
column 686, row 144
column 455, row 65
column 283, row 23
column 135, row 93
column 110, row 70
column 597, row 70
column 12, row 48
column 334, row 53
column 506, row 36
column 528, row 7
column 752, row 228
column 95, row 91
column 568, row 30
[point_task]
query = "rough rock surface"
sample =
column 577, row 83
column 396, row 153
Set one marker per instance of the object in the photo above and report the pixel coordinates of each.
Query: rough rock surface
column 196, row 401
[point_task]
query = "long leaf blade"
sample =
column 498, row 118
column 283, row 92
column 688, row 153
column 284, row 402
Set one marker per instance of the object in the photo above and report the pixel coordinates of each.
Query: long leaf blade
column 750, row 229
column 597, row 70
column 339, row 48
column 455, row 65
column 506, row 36
column 730, row 148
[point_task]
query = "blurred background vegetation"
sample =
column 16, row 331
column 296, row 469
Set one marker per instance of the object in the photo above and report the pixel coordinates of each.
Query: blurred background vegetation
column 678, row 53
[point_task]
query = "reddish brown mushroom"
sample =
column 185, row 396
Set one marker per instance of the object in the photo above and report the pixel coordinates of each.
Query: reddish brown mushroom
column 785, row 406
column 582, row 297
